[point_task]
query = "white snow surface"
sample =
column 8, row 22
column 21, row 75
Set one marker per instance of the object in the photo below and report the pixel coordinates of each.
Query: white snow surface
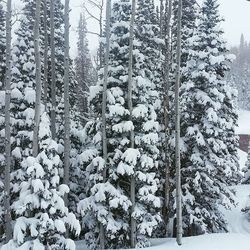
column 242, row 158
column 230, row 241
column 244, row 123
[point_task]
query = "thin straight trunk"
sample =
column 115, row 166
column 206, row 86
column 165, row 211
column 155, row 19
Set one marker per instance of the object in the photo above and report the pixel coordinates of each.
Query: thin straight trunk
column 53, row 69
column 45, row 81
column 38, row 78
column 101, row 34
column 132, row 134
column 66, row 100
column 7, row 214
column 104, row 107
column 177, row 131
column 166, row 72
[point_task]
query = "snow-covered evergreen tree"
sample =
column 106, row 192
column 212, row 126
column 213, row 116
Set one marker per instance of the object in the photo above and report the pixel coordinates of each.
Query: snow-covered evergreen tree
column 209, row 136
column 246, row 179
column 84, row 69
column 23, row 92
column 43, row 217
column 108, row 203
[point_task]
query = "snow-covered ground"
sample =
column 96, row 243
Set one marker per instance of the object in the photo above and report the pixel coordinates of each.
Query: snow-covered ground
column 238, row 237
column 205, row 242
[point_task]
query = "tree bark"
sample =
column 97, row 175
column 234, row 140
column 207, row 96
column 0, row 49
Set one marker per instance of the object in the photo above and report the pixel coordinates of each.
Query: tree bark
column 66, row 100
column 166, row 72
column 38, row 78
column 132, row 135
column 45, row 80
column 7, row 214
column 104, row 107
column 53, row 69
column 177, row 130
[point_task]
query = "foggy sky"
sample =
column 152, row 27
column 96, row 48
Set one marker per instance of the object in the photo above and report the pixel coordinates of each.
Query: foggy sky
column 235, row 12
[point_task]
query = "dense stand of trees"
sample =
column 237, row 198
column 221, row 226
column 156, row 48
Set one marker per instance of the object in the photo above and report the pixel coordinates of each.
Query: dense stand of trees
column 140, row 145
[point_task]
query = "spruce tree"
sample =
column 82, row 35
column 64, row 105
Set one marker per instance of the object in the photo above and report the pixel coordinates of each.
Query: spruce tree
column 209, row 130
column 246, row 170
column 107, row 201
column 84, row 69
column 23, row 92
column 124, row 161
column 43, row 217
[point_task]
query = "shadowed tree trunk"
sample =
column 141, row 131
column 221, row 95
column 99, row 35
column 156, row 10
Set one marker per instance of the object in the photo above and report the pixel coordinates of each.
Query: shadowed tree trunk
column 166, row 72
column 38, row 77
column 53, row 69
column 45, row 79
column 130, row 106
column 104, row 107
column 177, row 130
column 7, row 212
column 66, row 100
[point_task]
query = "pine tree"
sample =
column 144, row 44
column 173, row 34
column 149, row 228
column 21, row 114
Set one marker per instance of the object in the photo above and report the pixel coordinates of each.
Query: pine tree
column 209, row 131
column 43, row 217
column 246, row 179
column 84, row 68
column 23, row 93
column 124, row 161
column 107, row 203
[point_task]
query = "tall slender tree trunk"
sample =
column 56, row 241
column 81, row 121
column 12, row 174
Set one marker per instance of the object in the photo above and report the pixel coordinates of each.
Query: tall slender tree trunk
column 66, row 100
column 101, row 34
column 166, row 72
column 45, row 80
column 38, row 78
column 132, row 135
column 104, row 108
column 7, row 214
column 53, row 69
column 177, row 130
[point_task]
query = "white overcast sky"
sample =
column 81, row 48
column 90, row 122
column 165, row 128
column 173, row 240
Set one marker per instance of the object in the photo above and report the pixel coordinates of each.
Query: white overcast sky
column 235, row 12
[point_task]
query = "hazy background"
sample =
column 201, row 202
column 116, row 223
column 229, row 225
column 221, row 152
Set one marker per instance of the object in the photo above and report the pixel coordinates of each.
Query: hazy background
column 235, row 12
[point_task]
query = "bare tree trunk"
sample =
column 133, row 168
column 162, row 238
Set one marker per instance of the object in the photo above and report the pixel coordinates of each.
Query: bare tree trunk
column 130, row 106
column 66, row 100
column 53, row 69
column 166, row 72
column 38, row 78
column 45, row 81
column 177, row 131
column 104, row 107
column 7, row 214
column 101, row 33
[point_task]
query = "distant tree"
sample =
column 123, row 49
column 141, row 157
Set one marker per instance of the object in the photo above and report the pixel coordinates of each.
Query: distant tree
column 239, row 76
column 85, row 73
column 246, row 179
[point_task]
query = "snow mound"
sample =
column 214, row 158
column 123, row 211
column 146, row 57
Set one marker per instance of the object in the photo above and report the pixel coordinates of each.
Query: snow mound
column 244, row 121
column 237, row 221
column 242, row 158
